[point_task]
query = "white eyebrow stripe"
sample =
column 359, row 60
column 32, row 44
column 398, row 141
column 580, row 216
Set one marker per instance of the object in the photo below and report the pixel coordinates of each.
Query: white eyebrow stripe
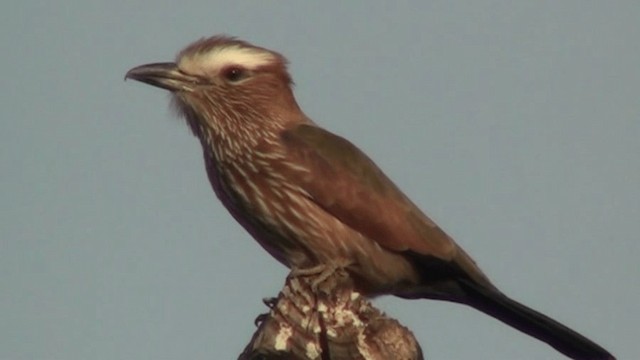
column 216, row 59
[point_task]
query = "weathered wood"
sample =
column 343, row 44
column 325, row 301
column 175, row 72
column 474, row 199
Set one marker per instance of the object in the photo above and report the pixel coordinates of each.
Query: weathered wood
column 324, row 318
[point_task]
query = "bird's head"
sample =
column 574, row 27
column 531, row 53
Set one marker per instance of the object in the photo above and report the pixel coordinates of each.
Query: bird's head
column 222, row 84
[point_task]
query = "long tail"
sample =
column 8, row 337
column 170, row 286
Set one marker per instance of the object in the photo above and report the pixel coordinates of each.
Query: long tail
column 533, row 323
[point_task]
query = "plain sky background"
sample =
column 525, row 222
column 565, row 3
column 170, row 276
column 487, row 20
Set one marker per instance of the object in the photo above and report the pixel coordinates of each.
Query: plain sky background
column 514, row 124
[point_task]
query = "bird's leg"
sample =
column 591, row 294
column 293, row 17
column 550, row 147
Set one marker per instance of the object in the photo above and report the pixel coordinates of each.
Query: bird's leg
column 322, row 271
column 309, row 271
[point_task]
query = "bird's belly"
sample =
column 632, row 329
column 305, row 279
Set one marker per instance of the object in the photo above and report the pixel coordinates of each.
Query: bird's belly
column 300, row 234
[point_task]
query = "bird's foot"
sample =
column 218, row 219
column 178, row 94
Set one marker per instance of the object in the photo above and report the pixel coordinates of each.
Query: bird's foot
column 321, row 272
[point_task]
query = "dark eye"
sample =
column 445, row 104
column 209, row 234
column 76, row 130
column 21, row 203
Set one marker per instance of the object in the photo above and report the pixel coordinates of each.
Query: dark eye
column 234, row 73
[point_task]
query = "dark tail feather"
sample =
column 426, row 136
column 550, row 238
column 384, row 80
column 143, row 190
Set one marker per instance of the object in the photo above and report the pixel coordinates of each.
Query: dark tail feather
column 533, row 323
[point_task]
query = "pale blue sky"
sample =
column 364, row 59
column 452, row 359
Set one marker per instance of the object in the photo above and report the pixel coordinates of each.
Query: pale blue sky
column 515, row 125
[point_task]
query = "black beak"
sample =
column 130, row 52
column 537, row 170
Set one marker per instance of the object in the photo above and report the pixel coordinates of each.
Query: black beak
column 163, row 75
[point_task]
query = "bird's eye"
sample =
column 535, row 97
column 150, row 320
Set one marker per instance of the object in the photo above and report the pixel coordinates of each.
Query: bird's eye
column 234, row 74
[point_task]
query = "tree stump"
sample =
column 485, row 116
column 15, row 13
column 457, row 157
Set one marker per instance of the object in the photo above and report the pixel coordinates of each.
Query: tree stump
column 326, row 319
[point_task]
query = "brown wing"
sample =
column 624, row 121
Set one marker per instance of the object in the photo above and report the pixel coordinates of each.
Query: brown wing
column 347, row 184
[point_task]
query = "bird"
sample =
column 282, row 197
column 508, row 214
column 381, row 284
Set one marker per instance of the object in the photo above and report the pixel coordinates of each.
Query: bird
column 313, row 199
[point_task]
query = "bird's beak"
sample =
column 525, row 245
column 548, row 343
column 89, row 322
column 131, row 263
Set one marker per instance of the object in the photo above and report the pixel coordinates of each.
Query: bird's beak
column 163, row 75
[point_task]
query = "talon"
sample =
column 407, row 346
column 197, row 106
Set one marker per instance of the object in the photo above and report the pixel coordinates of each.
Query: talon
column 260, row 319
column 270, row 302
